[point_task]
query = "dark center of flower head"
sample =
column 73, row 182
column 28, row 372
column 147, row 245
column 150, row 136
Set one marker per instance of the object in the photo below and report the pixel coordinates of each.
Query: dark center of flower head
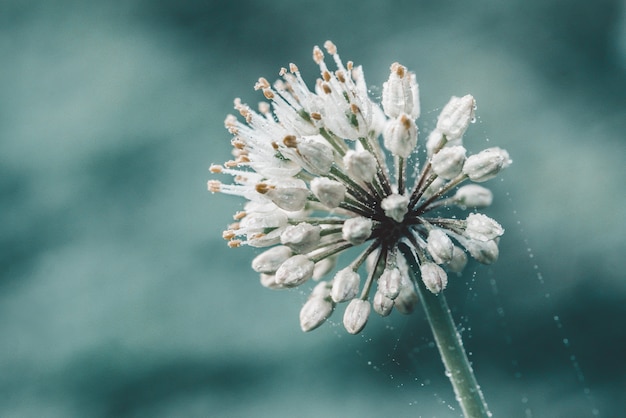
column 313, row 166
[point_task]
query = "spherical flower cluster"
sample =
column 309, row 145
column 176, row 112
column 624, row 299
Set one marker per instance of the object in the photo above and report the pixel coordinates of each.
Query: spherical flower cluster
column 318, row 182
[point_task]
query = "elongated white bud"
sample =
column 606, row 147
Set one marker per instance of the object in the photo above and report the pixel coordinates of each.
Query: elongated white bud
column 482, row 228
column 329, row 192
column 473, row 196
column 301, row 238
column 361, row 164
column 456, row 116
column 434, row 277
column 356, row 315
column 395, row 206
column 439, row 246
column 407, row 300
column 316, row 156
column 270, row 260
column 400, row 136
column 345, row 285
column 324, row 266
column 382, row 304
column 357, row 230
column 486, row 164
column 435, row 142
column 314, row 313
column 485, row 252
column 389, row 283
column 448, row 162
column 401, row 93
column 459, row 260
column 295, row 271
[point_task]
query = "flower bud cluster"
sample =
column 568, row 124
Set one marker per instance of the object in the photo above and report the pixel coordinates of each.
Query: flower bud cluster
column 324, row 170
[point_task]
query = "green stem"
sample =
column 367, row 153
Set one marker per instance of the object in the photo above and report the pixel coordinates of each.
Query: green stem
column 458, row 367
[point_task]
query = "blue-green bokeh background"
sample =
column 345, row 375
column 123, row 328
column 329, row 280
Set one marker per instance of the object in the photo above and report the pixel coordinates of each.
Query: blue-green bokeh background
column 118, row 296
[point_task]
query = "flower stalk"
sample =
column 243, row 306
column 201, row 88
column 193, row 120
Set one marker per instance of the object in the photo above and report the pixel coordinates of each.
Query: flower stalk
column 458, row 367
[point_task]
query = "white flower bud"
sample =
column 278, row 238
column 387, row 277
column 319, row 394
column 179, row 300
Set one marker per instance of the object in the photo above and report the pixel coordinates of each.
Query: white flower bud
column 260, row 221
column 288, row 197
column 261, row 240
column 395, row 206
column 390, row 282
column 345, row 285
column 459, row 260
column 357, row 230
column 439, row 246
column 361, row 164
column 407, row 300
column 435, row 142
column 324, row 266
column 401, row 93
column 400, row 136
column 329, row 192
column 321, row 290
column 314, row 312
column 269, row 281
column 482, row 228
column 435, row 186
column 270, row 260
column 486, row 164
column 316, row 156
column 301, row 238
column 355, row 316
column 382, row 304
column 448, row 162
column 295, row 271
column 456, row 116
column 434, row 277
column 473, row 196
column 485, row 252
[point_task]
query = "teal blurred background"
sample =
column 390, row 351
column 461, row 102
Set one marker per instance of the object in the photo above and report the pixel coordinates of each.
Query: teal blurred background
column 118, row 296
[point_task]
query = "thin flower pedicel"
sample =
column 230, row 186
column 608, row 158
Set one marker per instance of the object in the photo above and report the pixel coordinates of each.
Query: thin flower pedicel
column 325, row 170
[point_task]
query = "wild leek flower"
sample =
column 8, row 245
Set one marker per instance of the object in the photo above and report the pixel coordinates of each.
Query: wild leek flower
column 319, row 181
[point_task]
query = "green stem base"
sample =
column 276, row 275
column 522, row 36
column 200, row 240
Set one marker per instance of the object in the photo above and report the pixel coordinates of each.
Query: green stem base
column 458, row 367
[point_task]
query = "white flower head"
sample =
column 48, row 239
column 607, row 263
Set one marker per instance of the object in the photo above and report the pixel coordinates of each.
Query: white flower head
column 325, row 169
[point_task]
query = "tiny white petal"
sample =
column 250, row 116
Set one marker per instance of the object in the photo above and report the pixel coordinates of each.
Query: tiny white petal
column 382, row 304
column 482, row 228
column 314, row 312
column 357, row 230
column 395, row 206
column 329, row 192
column 400, row 136
column 486, row 164
column 434, row 277
column 270, row 260
column 301, row 238
column 439, row 246
column 361, row 164
column 356, row 315
column 473, row 196
column 448, row 162
column 345, row 285
column 295, row 271
column 456, row 116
